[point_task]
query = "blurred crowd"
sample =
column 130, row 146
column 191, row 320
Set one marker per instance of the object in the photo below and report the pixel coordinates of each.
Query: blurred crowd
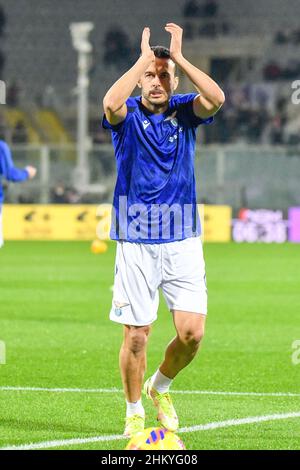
column 61, row 194
column 252, row 114
column 245, row 119
column 259, row 120
column 287, row 37
column 208, row 22
column 117, row 48
column 16, row 135
column 273, row 70
column 204, row 9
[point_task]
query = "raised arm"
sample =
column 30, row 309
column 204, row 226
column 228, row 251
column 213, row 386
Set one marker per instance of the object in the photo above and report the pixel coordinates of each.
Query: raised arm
column 211, row 96
column 114, row 102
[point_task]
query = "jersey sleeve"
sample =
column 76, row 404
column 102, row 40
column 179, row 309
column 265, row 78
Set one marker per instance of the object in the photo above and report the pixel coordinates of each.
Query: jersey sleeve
column 131, row 106
column 184, row 105
column 7, row 168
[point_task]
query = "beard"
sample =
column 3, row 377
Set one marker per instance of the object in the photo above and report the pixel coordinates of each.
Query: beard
column 157, row 100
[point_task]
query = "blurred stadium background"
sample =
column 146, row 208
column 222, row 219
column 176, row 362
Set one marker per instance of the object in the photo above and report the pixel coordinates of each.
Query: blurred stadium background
column 248, row 158
column 55, row 296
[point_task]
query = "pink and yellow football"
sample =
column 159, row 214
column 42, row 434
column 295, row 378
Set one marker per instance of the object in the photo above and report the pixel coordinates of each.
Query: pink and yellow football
column 155, row 439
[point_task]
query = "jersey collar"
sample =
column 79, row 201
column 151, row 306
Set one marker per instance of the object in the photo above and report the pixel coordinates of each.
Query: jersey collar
column 149, row 114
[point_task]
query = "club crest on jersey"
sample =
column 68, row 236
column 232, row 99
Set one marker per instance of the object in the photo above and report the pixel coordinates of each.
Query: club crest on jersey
column 173, row 119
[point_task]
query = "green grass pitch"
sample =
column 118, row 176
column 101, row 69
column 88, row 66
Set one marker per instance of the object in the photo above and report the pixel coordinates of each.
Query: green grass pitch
column 54, row 304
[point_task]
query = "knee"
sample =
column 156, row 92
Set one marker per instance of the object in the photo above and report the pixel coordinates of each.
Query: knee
column 136, row 338
column 192, row 337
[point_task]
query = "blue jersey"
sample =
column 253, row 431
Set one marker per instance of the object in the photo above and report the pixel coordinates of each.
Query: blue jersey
column 155, row 194
column 7, row 168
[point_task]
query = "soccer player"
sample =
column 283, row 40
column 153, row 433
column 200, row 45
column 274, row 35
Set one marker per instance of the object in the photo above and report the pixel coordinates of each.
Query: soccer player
column 10, row 173
column 155, row 218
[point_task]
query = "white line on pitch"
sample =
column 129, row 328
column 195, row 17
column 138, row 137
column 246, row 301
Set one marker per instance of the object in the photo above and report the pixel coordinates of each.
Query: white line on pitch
column 59, row 390
column 116, row 390
column 200, row 427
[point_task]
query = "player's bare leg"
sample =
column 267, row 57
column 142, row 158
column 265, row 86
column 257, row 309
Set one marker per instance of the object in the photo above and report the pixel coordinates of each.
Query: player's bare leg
column 133, row 360
column 179, row 353
column 183, row 348
column 133, row 366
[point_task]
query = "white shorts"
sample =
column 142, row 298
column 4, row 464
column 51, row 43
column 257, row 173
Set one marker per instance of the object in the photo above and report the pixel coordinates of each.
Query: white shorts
column 1, row 229
column 177, row 268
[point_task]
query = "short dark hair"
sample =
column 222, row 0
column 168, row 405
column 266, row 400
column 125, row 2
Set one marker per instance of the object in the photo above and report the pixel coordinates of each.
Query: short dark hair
column 161, row 52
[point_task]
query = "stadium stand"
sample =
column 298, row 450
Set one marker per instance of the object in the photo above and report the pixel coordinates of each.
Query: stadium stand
column 51, row 126
column 38, row 48
column 14, row 117
column 38, row 43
